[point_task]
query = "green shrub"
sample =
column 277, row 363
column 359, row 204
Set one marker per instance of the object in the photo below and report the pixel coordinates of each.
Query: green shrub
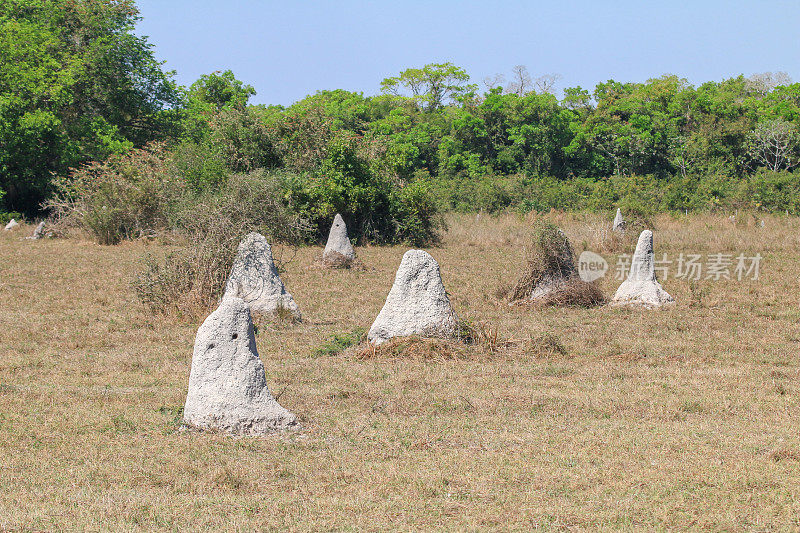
column 374, row 207
column 5, row 217
column 489, row 193
column 124, row 197
column 640, row 195
column 772, row 191
column 715, row 191
column 200, row 166
column 416, row 214
column 187, row 282
column 243, row 141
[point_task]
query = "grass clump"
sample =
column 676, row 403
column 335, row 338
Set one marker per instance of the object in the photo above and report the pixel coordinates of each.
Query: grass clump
column 415, row 347
column 546, row 346
column 338, row 343
column 548, row 255
column 471, row 340
column 550, row 265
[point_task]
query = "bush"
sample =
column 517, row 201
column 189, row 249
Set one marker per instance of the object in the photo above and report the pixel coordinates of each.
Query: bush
column 200, row 167
column 125, row 197
column 373, row 207
column 488, row 193
column 416, row 215
column 189, row 281
column 548, row 255
column 243, row 141
column 772, row 191
column 5, row 217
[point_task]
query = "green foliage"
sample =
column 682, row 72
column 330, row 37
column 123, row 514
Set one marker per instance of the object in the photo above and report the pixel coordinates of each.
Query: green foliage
column 6, row 217
column 209, row 96
column 338, row 343
column 78, row 85
column 221, row 90
column 416, row 214
column 772, row 191
column 343, row 184
column 200, row 166
column 125, row 197
column 373, row 207
column 242, row 140
column 75, row 84
column 432, row 85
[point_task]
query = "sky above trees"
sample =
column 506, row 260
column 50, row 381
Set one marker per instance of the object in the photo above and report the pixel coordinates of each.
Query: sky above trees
column 287, row 50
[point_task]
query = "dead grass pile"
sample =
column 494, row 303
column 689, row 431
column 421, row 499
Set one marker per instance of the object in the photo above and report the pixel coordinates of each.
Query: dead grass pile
column 336, row 260
column 549, row 258
column 548, row 255
column 474, row 341
column 573, row 292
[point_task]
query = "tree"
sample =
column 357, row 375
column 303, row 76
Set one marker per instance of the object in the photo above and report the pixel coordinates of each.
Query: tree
column 433, row 85
column 494, row 82
column 773, row 144
column 547, row 83
column 221, row 89
column 521, row 83
column 75, row 84
column 764, row 83
column 208, row 97
column 576, row 98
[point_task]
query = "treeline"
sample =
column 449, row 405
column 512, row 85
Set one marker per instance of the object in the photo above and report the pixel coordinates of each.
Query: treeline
column 76, row 85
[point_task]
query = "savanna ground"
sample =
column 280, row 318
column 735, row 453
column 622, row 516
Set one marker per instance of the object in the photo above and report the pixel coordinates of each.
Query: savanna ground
column 683, row 418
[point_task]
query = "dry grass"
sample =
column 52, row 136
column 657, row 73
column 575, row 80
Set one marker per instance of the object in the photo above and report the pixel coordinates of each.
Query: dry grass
column 600, row 418
column 573, row 292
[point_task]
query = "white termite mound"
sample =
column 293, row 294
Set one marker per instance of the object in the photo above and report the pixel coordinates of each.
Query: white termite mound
column 339, row 252
column 254, row 278
column 38, row 233
column 619, row 222
column 641, row 288
column 227, row 386
column 417, row 304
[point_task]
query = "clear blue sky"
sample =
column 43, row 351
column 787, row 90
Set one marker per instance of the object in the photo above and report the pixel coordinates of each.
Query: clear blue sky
column 288, row 49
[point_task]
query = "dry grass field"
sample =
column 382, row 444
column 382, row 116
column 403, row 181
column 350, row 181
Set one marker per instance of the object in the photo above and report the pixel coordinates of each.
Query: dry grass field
column 684, row 418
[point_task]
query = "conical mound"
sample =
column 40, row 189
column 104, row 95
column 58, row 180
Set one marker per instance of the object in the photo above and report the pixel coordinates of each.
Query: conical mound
column 11, row 225
column 561, row 269
column 339, row 251
column 227, row 387
column 38, row 233
column 255, row 279
column 549, row 265
column 642, row 288
column 417, row 303
column 619, row 222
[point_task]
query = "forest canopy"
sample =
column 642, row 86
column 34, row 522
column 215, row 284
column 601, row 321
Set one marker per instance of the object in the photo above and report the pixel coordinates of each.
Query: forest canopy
column 77, row 86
